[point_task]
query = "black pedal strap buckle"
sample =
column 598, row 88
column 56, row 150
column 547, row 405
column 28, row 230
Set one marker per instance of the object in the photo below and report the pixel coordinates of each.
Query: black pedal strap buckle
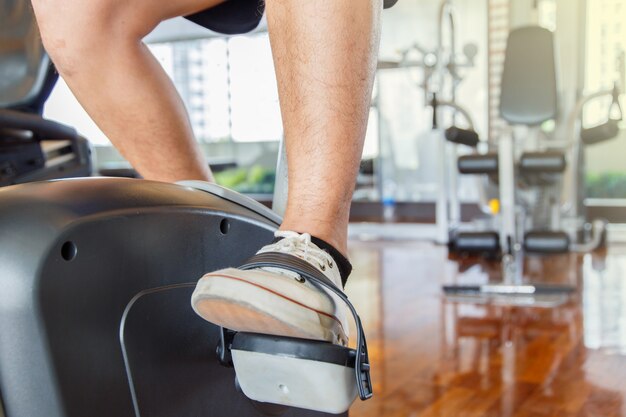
column 223, row 350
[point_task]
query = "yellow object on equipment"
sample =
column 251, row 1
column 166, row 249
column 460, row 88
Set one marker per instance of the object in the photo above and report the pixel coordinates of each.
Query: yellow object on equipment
column 494, row 206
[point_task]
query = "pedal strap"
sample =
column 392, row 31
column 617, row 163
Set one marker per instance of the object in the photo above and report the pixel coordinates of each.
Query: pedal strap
column 285, row 261
column 309, row 272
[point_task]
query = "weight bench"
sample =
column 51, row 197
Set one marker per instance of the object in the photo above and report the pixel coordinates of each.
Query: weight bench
column 31, row 147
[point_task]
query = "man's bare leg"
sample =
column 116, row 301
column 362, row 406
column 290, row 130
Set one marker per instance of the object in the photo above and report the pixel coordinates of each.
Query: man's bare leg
column 96, row 46
column 325, row 58
column 324, row 53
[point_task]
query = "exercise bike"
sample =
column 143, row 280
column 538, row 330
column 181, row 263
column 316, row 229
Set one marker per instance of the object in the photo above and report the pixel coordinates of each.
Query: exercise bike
column 95, row 314
column 96, row 280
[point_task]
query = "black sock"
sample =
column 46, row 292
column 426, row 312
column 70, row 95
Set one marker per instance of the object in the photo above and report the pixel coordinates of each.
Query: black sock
column 344, row 265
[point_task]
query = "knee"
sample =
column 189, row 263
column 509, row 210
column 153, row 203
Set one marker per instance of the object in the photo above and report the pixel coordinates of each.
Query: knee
column 74, row 32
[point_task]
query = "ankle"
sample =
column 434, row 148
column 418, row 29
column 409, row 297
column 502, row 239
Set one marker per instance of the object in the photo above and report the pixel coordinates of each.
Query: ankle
column 344, row 266
column 342, row 262
column 338, row 241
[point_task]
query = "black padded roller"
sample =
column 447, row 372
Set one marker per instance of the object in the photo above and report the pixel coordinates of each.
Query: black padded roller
column 478, row 164
column 546, row 242
column 462, row 136
column 542, row 162
column 41, row 128
column 477, row 242
column 600, row 133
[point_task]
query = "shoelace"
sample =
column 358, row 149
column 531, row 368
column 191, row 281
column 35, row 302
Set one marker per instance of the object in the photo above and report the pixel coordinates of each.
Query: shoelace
column 301, row 245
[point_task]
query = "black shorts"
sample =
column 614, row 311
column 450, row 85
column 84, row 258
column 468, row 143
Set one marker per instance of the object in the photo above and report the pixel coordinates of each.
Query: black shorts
column 231, row 17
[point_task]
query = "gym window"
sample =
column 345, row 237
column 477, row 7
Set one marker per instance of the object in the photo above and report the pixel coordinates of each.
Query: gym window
column 227, row 84
column 605, row 52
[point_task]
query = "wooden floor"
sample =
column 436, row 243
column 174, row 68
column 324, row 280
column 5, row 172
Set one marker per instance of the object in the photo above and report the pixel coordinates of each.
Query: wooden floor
column 434, row 357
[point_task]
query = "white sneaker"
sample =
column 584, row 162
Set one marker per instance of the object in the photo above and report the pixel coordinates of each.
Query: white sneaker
column 274, row 300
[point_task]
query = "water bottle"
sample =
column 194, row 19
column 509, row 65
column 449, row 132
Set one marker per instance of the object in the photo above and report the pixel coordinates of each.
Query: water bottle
column 389, row 201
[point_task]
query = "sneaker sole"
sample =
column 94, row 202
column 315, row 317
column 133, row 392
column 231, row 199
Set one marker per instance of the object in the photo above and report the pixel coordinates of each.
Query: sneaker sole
column 213, row 301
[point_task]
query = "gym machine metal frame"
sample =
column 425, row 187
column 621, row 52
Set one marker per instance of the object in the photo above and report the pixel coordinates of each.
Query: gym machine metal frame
column 513, row 239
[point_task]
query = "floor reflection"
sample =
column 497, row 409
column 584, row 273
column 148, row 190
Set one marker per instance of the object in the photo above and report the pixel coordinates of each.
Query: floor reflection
column 604, row 301
column 434, row 357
